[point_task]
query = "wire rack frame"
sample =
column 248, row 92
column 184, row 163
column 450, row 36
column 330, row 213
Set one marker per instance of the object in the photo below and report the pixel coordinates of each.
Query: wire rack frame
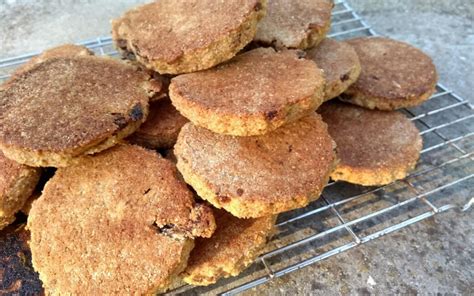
column 447, row 127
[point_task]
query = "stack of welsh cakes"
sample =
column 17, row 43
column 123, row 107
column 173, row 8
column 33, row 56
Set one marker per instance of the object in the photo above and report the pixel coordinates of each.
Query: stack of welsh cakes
column 173, row 163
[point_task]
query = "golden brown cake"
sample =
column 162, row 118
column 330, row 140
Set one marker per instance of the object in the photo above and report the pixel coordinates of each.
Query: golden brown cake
column 17, row 182
column 160, row 83
column 66, row 107
column 340, row 65
column 254, row 93
column 161, row 128
column 62, row 51
column 374, row 147
column 181, row 36
column 394, row 75
column 119, row 222
column 234, row 246
column 295, row 24
column 259, row 175
column 46, row 175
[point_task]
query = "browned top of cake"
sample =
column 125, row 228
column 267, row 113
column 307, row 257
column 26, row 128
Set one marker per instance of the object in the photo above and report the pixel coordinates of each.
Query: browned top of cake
column 62, row 51
column 289, row 162
column 234, row 245
column 337, row 60
column 260, row 81
column 118, row 222
column 163, row 119
column 168, row 29
column 64, row 104
column 288, row 23
column 371, row 139
column 392, row 69
column 162, row 126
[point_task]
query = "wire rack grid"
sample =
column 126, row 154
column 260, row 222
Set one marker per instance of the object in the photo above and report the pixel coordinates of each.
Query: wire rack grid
column 347, row 216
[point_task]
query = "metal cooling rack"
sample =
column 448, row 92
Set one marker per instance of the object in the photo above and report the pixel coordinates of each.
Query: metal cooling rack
column 348, row 216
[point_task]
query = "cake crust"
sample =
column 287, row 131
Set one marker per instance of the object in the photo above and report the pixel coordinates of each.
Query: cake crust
column 161, row 128
column 393, row 75
column 62, row 51
column 253, row 94
column 17, row 183
column 340, row 65
column 173, row 37
column 295, row 24
column 117, row 222
column 66, row 107
column 374, row 147
column 259, row 175
column 233, row 247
